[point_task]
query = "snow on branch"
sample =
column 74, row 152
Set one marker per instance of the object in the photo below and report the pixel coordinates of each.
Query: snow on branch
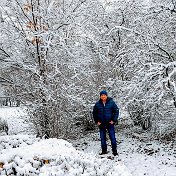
column 118, row 27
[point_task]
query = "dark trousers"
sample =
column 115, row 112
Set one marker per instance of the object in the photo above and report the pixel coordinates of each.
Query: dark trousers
column 103, row 129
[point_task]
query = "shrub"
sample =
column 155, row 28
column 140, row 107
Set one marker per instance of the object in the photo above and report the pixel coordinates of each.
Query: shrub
column 3, row 126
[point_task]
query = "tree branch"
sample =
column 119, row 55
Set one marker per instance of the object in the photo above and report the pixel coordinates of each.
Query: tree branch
column 169, row 56
column 79, row 5
column 22, row 10
column 5, row 53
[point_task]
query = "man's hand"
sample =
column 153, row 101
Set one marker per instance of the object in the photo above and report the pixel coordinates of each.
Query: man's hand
column 99, row 123
column 111, row 122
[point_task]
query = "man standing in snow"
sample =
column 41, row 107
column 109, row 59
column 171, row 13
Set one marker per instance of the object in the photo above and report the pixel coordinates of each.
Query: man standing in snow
column 105, row 114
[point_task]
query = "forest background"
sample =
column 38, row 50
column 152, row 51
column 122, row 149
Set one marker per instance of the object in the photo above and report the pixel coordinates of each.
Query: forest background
column 57, row 55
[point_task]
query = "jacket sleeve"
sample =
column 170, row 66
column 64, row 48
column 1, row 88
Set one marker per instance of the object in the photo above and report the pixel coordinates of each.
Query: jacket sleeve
column 115, row 112
column 95, row 111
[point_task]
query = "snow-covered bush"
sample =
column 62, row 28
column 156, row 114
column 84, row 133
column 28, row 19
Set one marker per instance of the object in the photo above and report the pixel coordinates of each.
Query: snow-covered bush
column 15, row 141
column 56, row 157
column 3, row 126
column 47, row 65
column 139, row 114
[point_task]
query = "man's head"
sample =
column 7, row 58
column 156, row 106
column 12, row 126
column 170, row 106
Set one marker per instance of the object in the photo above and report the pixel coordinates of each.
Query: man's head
column 103, row 95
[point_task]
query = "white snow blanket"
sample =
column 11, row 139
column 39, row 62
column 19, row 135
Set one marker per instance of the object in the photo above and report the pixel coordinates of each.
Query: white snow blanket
column 53, row 157
column 17, row 120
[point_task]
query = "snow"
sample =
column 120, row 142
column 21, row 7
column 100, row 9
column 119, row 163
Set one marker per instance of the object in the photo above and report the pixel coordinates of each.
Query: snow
column 16, row 119
column 56, row 157
column 151, row 158
column 24, row 154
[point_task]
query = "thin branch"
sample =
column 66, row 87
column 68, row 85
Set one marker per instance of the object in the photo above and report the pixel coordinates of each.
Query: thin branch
column 6, row 80
column 36, row 38
column 33, row 17
column 22, row 10
column 62, row 26
column 79, row 5
column 170, row 57
column 5, row 53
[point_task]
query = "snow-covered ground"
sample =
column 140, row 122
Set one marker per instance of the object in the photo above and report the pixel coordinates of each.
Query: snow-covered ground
column 150, row 158
column 24, row 154
column 16, row 119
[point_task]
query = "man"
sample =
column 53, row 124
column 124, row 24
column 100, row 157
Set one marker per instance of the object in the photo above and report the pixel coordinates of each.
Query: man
column 105, row 114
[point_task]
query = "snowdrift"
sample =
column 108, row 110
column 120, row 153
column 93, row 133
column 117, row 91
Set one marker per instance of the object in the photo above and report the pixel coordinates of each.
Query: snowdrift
column 24, row 155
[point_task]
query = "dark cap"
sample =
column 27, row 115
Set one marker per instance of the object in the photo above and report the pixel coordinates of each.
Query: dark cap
column 103, row 92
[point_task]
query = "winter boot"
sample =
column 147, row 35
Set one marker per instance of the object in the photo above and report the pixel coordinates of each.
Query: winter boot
column 103, row 153
column 115, row 153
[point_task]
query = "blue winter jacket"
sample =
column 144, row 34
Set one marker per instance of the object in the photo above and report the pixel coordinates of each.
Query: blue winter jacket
column 105, row 113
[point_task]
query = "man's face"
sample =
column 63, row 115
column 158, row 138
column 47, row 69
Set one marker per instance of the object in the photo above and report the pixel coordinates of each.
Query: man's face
column 103, row 97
